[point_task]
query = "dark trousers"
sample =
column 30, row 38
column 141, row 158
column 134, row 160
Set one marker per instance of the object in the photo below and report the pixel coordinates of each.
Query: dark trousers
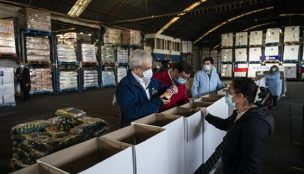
column 274, row 101
column 26, row 92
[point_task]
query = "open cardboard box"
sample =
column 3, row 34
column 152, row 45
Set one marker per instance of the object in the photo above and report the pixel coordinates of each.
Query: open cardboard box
column 149, row 144
column 38, row 168
column 209, row 99
column 97, row 155
column 174, row 126
column 193, row 122
column 217, row 96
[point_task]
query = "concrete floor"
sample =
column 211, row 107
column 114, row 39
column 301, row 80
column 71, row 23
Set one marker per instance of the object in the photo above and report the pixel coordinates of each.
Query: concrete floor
column 281, row 157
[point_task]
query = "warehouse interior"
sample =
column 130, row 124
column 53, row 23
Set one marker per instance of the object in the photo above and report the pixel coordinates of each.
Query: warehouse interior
column 101, row 35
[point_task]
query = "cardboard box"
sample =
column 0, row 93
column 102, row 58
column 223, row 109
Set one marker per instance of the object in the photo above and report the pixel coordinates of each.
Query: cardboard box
column 292, row 34
column 290, row 70
column 7, row 86
column 241, row 39
column 241, row 54
column 35, row 19
column 255, row 54
column 194, row 136
column 226, row 70
column 227, row 40
column 291, row 52
column 240, row 70
column 174, row 126
column 256, row 38
column 226, row 55
column 213, row 136
column 97, row 155
column 273, row 35
column 38, row 168
column 272, row 51
column 149, row 144
column 252, row 69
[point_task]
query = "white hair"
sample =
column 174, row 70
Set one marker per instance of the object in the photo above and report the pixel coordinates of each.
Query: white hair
column 137, row 57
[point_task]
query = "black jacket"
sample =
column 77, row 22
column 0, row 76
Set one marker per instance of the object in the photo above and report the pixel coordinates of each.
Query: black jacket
column 245, row 139
column 23, row 76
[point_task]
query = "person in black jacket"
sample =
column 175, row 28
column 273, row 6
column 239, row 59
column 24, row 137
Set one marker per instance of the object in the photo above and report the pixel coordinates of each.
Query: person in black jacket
column 23, row 78
column 247, row 129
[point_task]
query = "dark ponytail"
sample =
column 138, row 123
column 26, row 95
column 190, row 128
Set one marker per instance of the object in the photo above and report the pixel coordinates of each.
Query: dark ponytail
column 245, row 86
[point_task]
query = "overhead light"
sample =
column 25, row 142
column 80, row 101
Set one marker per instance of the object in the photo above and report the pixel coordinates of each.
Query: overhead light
column 292, row 14
column 186, row 10
column 256, row 26
column 232, row 19
column 78, row 8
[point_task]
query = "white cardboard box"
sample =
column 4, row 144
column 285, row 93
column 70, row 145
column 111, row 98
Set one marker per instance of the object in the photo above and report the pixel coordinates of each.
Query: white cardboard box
column 273, row 35
column 226, row 55
column 290, row 70
column 240, row 70
column 213, row 136
column 272, row 51
column 241, row 39
column 227, row 40
column 255, row 53
column 252, row 69
column 176, row 138
column 256, row 38
column 149, row 144
column 241, row 54
column 194, row 137
column 7, row 93
column 292, row 34
column 97, row 155
column 226, row 70
column 291, row 52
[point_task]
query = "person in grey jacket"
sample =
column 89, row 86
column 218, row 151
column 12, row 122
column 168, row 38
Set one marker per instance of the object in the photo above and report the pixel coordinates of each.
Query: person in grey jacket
column 274, row 84
column 206, row 80
column 247, row 129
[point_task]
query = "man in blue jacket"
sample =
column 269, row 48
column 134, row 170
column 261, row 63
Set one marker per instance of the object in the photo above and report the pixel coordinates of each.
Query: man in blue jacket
column 206, row 80
column 274, row 84
column 138, row 93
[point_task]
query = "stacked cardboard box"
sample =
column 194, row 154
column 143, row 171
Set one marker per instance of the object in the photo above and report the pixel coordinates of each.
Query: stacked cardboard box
column 108, row 78
column 292, row 34
column 88, row 53
column 36, row 139
column 7, row 93
column 241, row 39
column 107, row 54
column 122, row 55
column 226, row 70
column 90, row 78
column 273, row 35
column 131, row 37
column 7, row 37
column 256, row 38
column 41, row 80
column 68, row 80
column 66, row 47
column 241, row 54
column 255, row 53
column 112, row 36
column 35, row 19
column 121, row 73
column 226, row 55
column 291, row 52
column 38, row 49
column 227, row 40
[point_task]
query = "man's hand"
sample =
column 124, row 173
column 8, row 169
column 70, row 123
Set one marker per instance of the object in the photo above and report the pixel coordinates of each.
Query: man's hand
column 204, row 111
column 165, row 101
column 175, row 89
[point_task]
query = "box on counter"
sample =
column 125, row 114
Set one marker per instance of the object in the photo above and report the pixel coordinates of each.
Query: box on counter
column 97, row 155
column 30, row 18
column 149, row 144
column 174, row 126
column 256, row 38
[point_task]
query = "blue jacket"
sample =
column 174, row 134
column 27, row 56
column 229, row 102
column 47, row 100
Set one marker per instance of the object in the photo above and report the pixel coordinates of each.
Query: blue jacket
column 132, row 99
column 273, row 83
column 202, row 84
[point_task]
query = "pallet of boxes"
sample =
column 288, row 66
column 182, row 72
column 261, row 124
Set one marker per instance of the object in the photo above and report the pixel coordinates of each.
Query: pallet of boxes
column 36, row 139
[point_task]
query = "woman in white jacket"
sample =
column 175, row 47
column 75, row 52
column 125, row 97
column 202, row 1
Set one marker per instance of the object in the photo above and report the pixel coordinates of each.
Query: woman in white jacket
column 206, row 80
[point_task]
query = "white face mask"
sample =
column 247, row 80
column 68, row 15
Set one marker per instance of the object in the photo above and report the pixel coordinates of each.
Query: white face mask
column 207, row 67
column 148, row 74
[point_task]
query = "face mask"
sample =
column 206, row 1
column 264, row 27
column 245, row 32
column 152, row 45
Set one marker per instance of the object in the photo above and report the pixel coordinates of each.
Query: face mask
column 229, row 102
column 207, row 67
column 22, row 66
column 181, row 81
column 148, row 74
column 273, row 69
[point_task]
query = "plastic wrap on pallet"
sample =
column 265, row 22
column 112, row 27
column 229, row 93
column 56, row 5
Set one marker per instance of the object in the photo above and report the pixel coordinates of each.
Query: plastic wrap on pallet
column 88, row 53
column 41, row 80
column 292, row 34
column 256, row 38
column 273, row 35
column 255, row 53
column 108, row 78
column 112, row 36
column 38, row 49
column 131, row 37
column 35, row 19
column 121, row 73
column 241, row 39
column 7, row 36
column 122, row 55
column 66, row 53
column 90, row 78
column 291, row 52
column 68, row 80
column 7, row 86
column 227, row 40
column 107, row 54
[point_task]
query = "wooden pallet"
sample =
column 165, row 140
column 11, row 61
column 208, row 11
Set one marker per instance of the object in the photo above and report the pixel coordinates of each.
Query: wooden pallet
column 90, row 63
column 8, row 55
column 38, row 62
column 292, row 43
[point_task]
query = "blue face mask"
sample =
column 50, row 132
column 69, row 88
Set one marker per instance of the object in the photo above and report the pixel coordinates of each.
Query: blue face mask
column 229, row 102
column 181, row 81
